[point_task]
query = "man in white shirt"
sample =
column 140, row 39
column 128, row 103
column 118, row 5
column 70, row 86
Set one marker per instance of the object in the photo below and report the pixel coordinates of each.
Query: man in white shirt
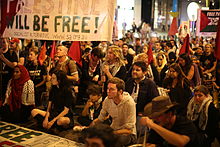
column 120, row 106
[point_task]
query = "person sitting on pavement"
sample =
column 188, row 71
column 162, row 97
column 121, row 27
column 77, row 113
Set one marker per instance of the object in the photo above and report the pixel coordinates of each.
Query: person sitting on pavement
column 90, row 71
column 141, row 89
column 59, row 111
column 113, row 66
column 168, row 128
column 19, row 97
column 37, row 74
column 120, row 106
column 203, row 113
column 178, row 86
column 93, row 106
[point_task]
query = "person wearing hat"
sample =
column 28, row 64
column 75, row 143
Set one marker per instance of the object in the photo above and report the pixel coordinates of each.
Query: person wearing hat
column 166, row 127
column 14, row 45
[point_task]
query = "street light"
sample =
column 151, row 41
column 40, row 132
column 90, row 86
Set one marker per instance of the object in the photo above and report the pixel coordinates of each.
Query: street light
column 192, row 11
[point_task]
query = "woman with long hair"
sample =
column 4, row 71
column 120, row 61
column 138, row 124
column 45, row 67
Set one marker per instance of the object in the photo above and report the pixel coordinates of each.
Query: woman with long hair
column 178, row 86
column 113, row 66
column 19, row 97
column 59, row 111
column 190, row 70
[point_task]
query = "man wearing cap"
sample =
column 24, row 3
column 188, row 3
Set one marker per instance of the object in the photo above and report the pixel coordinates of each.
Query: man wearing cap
column 167, row 128
column 14, row 45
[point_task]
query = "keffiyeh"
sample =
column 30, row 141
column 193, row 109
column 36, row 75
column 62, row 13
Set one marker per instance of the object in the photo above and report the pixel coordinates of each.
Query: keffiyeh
column 195, row 111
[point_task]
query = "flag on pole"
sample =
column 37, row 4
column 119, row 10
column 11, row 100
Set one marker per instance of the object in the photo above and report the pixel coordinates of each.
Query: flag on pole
column 5, row 16
column 173, row 27
column 217, row 48
column 53, row 50
column 42, row 55
column 75, row 52
column 185, row 46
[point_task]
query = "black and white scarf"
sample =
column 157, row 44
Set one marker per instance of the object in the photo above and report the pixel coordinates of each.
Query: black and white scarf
column 196, row 111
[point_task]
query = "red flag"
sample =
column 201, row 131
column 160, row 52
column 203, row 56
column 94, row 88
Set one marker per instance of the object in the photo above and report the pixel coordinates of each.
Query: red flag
column 150, row 54
column 75, row 52
column 53, row 50
column 204, row 21
column 7, row 18
column 42, row 55
column 185, row 46
column 217, row 48
column 173, row 27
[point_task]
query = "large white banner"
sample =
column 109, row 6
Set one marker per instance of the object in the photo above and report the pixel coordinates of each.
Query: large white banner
column 71, row 20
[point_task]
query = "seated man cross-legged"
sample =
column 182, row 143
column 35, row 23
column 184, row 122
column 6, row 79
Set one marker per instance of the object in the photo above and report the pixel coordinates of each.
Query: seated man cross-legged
column 120, row 106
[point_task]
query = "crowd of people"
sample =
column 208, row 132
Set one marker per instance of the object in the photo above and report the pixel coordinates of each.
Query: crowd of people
column 130, row 85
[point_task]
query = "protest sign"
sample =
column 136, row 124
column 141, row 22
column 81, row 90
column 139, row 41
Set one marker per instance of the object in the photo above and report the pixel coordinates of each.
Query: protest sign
column 16, row 136
column 207, row 23
column 71, row 20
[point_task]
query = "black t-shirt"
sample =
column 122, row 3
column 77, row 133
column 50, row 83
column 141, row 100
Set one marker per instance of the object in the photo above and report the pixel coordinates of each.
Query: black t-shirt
column 8, row 71
column 36, row 72
column 182, row 126
column 60, row 98
column 207, row 62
